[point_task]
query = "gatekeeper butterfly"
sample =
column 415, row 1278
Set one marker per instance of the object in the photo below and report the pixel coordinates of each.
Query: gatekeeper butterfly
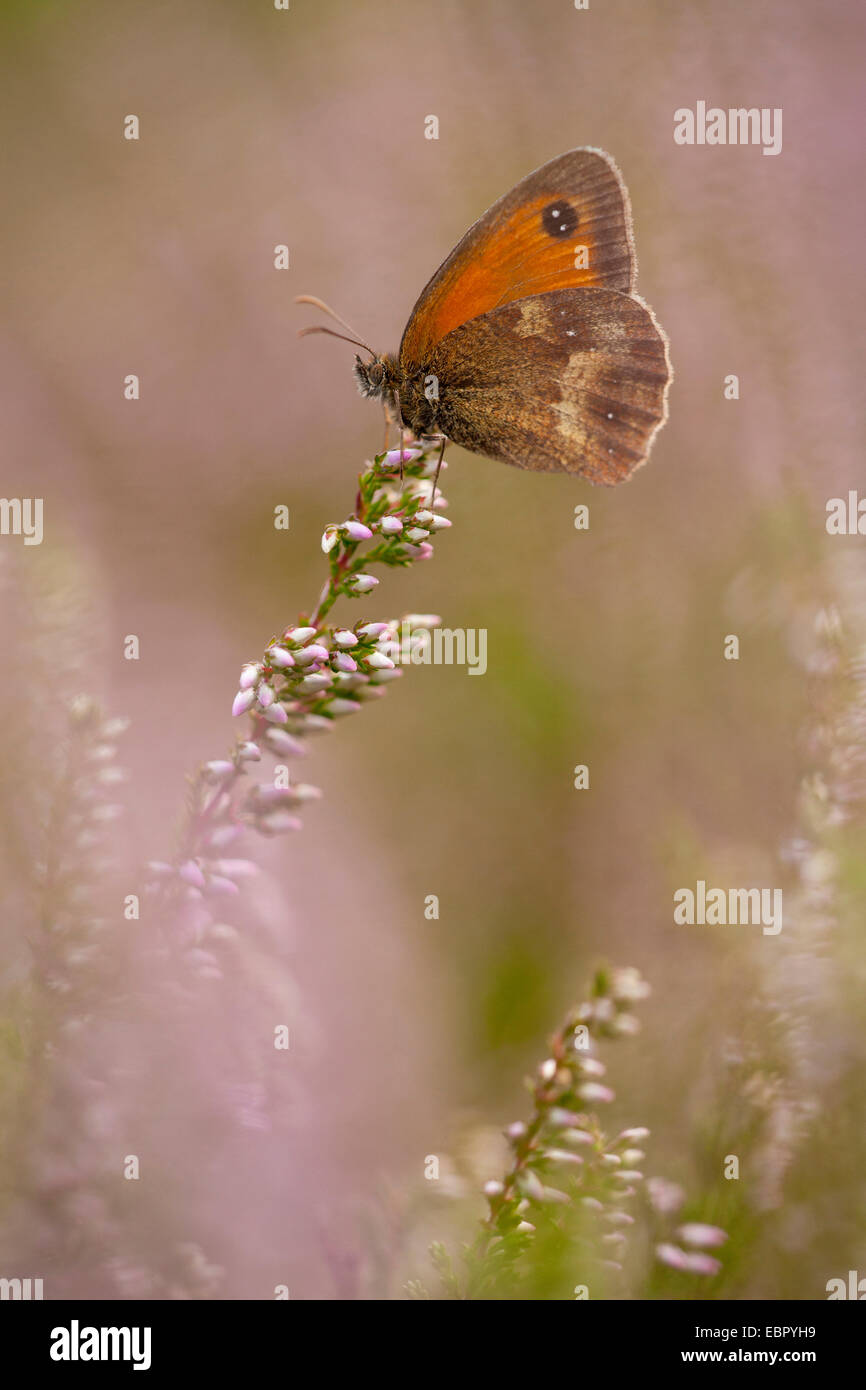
column 529, row 344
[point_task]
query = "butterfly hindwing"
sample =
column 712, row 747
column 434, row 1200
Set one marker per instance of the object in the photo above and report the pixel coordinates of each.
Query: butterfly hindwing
column 568, row 224
column 570, row 381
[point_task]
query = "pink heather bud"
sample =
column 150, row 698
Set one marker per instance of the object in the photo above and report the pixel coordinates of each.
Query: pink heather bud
column 425, row 551
column 634, row 1136
column 113, row 728
column 665, row 1196
column 223, row 836
column 235, row 868
column 278, row 656
column 314, row 652
column 279, row 741
column 696, row 1233
column 592, row 1091
column 159, row 868
column 339, row 707
column 393, row 457
column 373, row 630
column 249, row 675
column 242, row 702
column 627, row 985
column 249, row 752
column 591, row 1066
column 266, row 794
column 102, row 752
column 371, row 692
column 547, row 1070
column 378, row 661
column 300, row 634
column 439, row 523
column 559, row 1117
column 363, row 583
column 563, row 1156
column 278, row 822
column 516, row 1130
column 343, row 662
column 416, row 534
column 226, row 886
column 494, row 1188
column 108, row 775
column 276, row 715
column 671, row 1255
column 530, row 1185
column 382, row 677
column 304, row 791
column 192, row 874
column 330, row 537
column 265, row 695
column 316, row 724
column 423, row 518
column 428, row 620
column 702, row 1264
column 356, row 530
column 218, row 770
column 525, row 1228
column 345, row 638
column 626, row 1025
column 317, row 681
column 391, row 525
column 576, row 1136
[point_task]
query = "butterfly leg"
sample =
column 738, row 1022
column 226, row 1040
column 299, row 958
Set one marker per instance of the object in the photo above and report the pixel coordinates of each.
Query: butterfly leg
column 438, row 468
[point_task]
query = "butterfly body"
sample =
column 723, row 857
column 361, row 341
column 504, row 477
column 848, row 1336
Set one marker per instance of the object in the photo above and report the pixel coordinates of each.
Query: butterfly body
column 529, row 345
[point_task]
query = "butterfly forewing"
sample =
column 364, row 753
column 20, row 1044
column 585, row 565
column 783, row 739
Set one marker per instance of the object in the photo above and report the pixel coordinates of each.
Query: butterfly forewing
column 571, row 381
column 568, row 224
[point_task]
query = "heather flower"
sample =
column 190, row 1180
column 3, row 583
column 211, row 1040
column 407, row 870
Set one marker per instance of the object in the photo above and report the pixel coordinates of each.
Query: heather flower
column 698, row 1233
column 567, row 1180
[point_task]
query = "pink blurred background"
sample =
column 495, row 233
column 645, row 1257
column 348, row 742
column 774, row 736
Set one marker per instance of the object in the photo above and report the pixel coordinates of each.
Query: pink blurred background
column 156, row 257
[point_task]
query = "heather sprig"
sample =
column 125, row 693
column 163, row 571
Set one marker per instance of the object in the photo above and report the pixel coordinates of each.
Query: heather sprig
column 309, row 677
column 570, row 1196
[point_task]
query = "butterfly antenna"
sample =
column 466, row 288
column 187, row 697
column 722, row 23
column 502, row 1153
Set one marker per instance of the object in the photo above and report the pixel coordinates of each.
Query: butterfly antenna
column 319, row 328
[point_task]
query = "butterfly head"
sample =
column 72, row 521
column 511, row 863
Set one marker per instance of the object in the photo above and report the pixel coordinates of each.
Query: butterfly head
column 377, row 377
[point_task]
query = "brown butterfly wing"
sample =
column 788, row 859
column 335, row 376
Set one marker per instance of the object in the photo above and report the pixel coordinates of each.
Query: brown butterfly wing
column 526, row 243
column 572, row 381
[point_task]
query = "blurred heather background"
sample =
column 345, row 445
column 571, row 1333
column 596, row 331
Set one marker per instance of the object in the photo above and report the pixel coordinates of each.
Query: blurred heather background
column 410, row 1037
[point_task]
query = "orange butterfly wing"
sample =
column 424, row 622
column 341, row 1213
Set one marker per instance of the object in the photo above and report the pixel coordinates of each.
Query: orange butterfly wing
column 529, row 242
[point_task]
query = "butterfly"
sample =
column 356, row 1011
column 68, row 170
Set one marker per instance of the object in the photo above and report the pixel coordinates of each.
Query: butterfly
column 529, row 344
